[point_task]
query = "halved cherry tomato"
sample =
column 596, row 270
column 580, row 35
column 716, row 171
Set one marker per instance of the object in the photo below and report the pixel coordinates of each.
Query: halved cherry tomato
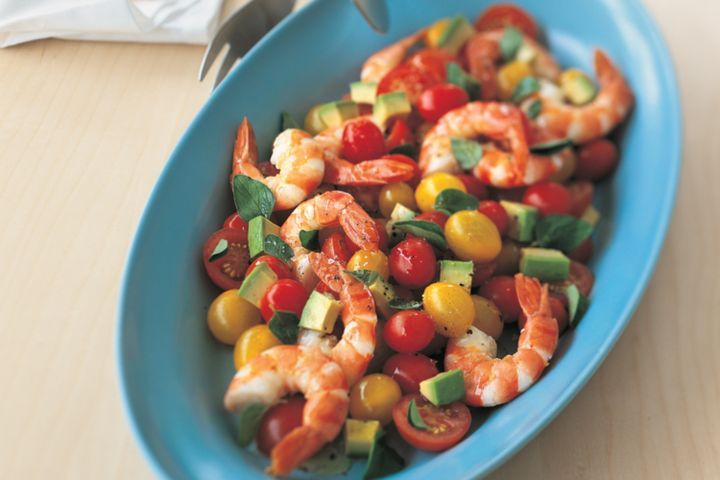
column 336, row 247
column 400, row 134
column 548, row 197
column 582, row 277
column 581, row 195
column 506, row 14
column 408, row 370
column 409, row 331
column 413, row 263
column 501, row 290
column 408, row 79
column 228, row 270
column 235, row 221
column 447, row 424
column 277, row 422
column 559, row 313
column 433, row 61
column 438, row 218
column 276, row 265
column 437, row 100
column 474, row 186
column 495, row 212
column 287, row 295
column 596, row 160
column 362, row 140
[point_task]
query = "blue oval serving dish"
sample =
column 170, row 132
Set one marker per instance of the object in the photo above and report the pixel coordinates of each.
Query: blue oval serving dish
column 173, row 374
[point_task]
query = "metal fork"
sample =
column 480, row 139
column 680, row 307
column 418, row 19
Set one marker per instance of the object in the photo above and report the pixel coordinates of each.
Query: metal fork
column 245, row 27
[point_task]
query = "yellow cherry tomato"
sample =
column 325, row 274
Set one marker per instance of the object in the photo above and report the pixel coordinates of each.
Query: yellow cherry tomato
column 450, row 307
column 374, row 397
column 230, row 315
column 433, row 34
column 431, row 186
column 472, row 236
column 252, row 343
column 374, row 260
column 510, row 75
column 487, row 316
column 393, row 193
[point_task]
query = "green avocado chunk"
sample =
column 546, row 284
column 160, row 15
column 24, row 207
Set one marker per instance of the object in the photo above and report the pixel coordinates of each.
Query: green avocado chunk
column 458, row 31
column 382, row 293
column 258, row 229
column 360, row 436
column 457, row 272
column 545, row 264
column 444, row 388
column 400, row 213
column 363, row 92
column 390, row 105
column 522, row 220
column 334, row 114
column 591, row 215
column 257, row 283
column 320, row 312
column 577, row 87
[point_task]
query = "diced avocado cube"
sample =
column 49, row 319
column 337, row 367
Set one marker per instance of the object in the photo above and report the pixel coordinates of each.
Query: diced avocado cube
column 389, row 105
column 257, row 283
column 577, row 87
column 400, row 213
column 545, row 264
column 444, row 388
column 258, row 229
column 457, row 272
column 383, row 293
column 526, row 53
column 320, row 312
column 522, row 219
column 591, row 215
column 577, row 304
column 360, row 436
column 334, row 114
column 457, row 32
column 363, row 92
column 313, row 124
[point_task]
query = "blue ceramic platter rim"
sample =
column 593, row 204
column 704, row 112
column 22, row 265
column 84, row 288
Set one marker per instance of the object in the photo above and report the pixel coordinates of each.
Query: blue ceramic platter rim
column 465, row 460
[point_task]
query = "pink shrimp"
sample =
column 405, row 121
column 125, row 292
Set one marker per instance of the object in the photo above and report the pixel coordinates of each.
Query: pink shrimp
column 492, row 381
column 295, row 154
column 381, row 62
column 286, row 369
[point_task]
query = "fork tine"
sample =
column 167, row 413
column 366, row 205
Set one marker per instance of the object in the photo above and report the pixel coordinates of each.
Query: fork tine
column 230, row 58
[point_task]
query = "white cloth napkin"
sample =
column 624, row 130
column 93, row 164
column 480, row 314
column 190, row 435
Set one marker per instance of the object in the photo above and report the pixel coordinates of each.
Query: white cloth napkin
column 172, row 21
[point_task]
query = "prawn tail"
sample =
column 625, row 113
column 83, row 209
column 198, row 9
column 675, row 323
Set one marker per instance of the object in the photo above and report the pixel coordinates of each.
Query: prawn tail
column 532, row 296
column 245, row 150
column 300, row 444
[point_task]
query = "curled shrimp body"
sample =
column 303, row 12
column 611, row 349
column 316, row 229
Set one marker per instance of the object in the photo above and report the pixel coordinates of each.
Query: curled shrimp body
column 381, row 62
column 594, row 120
column 499, row 122
column 492, row 381
column 297, row 157
column 286, row 369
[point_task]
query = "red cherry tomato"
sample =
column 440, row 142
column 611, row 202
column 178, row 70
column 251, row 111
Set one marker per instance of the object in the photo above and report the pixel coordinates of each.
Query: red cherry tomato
column 506, row 14
column 501, row 290
column 405, row 159
column 433, row 61
column 413, row 263
column 276, row 265
column 447, row 424
column 227, row 271
column 277, row 422
column 437, row 218
column 409, row 370
column 362, row 140
column 400, row 134
column 482, row 272
column 548, row 197
column 409, row 331
column 596, row 160
column 287, row 295
column 582, row 277
column 322, row 287
column 495, row 212
column 408, row 79
column 474, row 186
column 581, row 195
column 559, row 313
column 336, row 247
column 583, row 252
column 235, row 221
column 438, row 100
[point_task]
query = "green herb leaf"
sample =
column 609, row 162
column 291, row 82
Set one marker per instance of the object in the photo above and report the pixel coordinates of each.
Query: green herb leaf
column 365, row 276
column 284, row 325
column 331, row 460
column 382, row 461
column 577, row 304
column 451, row 200
column 510, row 43
column 414, row 416
column 466, row 152
column 309, row 239
column 562, row 232
column 287, row 121
column 533, row 110
column 220, row 250
column 430, row 231
column 252, row 198
column 551, row 147
column 402, row 304
column 457, row 76
column 276, row 247
column 526, row 87
column 248, row 421
column 405, row 149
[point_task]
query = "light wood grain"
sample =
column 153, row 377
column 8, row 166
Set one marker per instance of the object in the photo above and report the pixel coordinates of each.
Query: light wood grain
column 84, row 131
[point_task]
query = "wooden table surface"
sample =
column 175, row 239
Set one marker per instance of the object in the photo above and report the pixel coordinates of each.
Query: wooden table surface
column 85, row 129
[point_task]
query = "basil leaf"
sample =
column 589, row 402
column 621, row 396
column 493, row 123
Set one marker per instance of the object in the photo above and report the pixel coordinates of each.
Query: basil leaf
column 577, row 304
column 248, row 421
column 414, row 416
column 430, row 231
column 466, row 152
column 287, row 121
column 533, row 110
column 451, row 200
column 284, row 325
column 457, row 76
column 331, row 460
column 510, row 43
column 551, row 147
column 562, row 232
column 382, row 461
column 220, row 250
column 309, row 239
column 407, row 149
column 276, row 247
column 365, row 276
column 402, row 304
column 526, row 87
column 252, row 198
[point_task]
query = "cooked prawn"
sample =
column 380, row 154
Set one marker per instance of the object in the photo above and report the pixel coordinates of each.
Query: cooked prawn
column 324, row 211
column 483, row 54
column 381, row 62
column 286, row 369
column 596, row 119
column 544, row 167
column 295, row 154
column 491, row 381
